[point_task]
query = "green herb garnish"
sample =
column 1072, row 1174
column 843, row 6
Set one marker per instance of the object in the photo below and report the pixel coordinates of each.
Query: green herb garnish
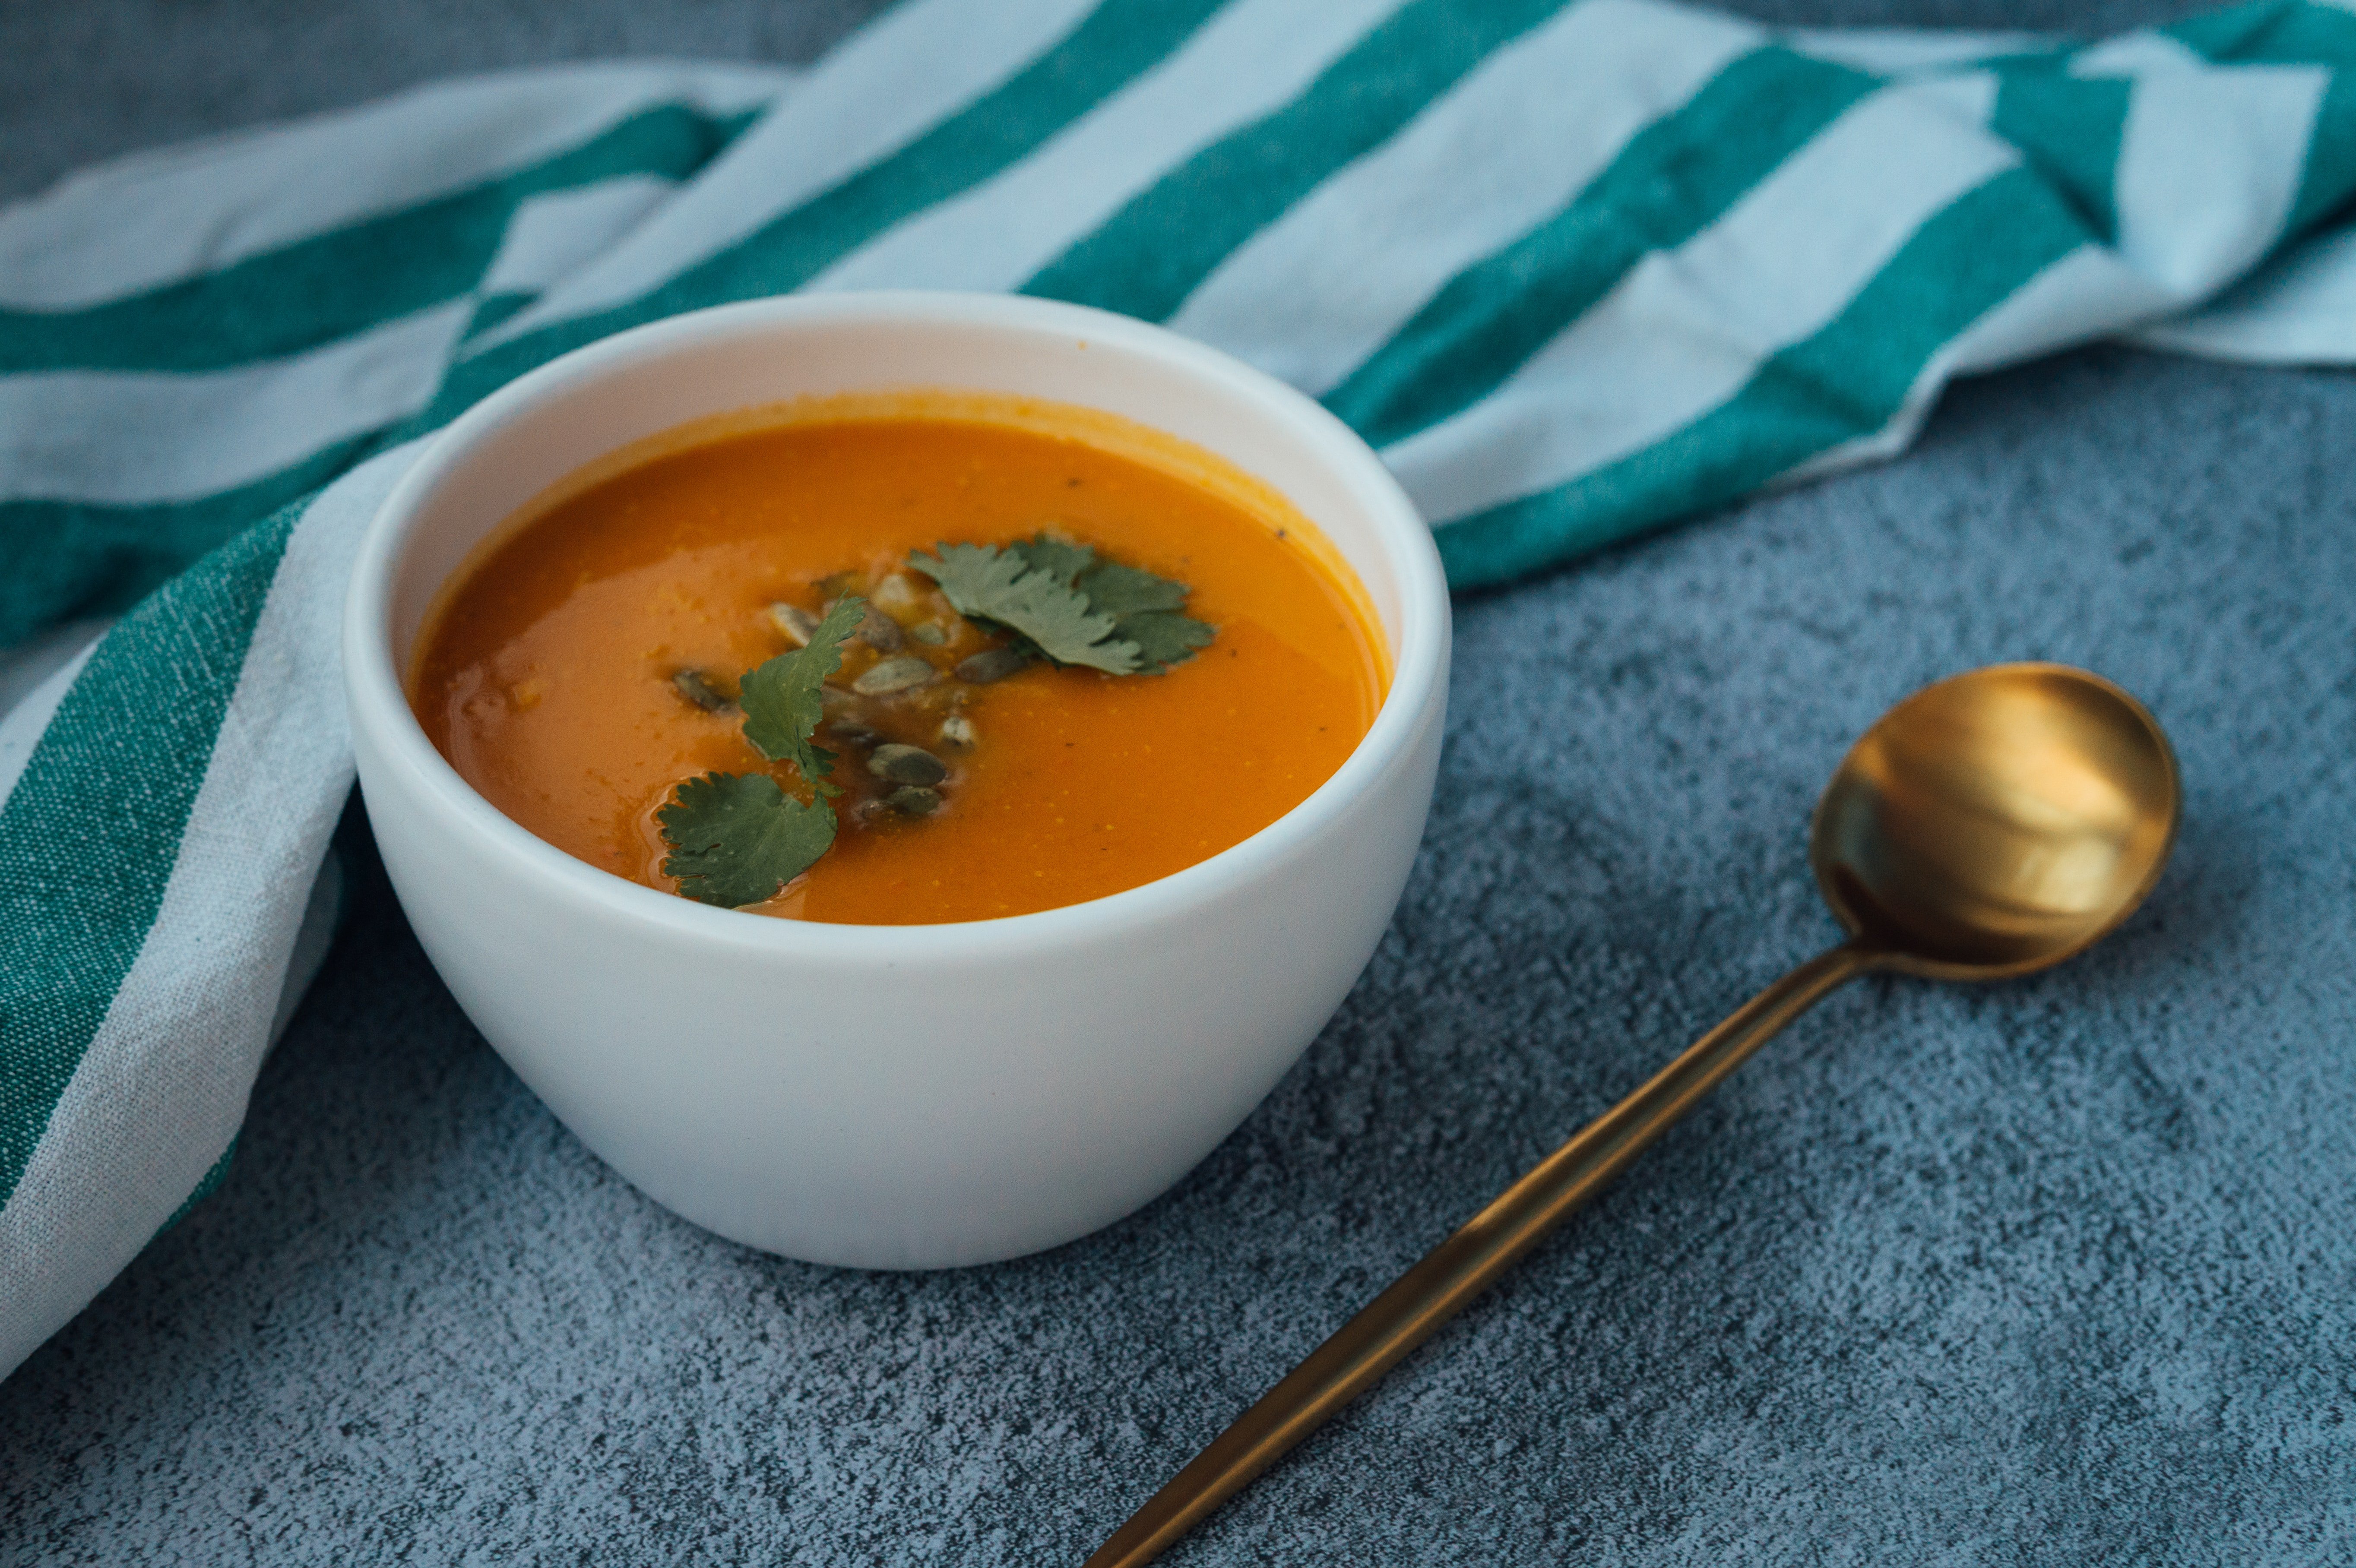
column 1145, row 611
column 1003, row 588
column 781, row 699
column 736, row 838
column 1063, row 604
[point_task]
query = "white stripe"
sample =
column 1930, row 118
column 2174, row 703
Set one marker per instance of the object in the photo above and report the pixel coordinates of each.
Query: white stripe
column 1908, row 52
column 21, row 729
column 2210, row 164
column 2087, row 293
column 127, row 438
column 163, row 1086
column 155, row 218
column 2136, row 54
column 911, row 69
column 1509, row 146
column 1252, row 56
column 1968, row 98
column 2301, row 310
column 1686, row 329
column 550, row 236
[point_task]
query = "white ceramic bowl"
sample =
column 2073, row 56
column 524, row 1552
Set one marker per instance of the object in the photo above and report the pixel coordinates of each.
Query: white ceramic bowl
column 896, row 1096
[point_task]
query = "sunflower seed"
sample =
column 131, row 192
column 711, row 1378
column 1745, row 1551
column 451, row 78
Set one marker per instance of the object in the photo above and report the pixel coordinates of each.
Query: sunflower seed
column 892, row 674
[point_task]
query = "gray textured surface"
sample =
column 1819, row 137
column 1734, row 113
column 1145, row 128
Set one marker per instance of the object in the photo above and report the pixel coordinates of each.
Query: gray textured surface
column 2061, row 1271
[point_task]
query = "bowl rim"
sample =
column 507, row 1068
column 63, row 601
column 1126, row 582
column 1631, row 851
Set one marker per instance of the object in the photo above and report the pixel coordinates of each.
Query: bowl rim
column 377, row 704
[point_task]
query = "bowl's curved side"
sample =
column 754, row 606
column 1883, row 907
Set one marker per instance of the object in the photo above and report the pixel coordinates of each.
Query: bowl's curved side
column 908, row 1111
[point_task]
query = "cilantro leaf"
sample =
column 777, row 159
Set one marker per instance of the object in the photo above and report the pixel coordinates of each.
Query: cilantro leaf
column 1145, row 610
column 1115, row 590
column 1065, row 559
column 1003, row 587
column 736, row 838
column 780, row 699
column 1165, row 637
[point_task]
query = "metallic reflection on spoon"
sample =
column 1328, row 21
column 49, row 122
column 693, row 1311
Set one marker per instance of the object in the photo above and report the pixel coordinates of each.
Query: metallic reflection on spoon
column 1990, row 825
column 1997, row 823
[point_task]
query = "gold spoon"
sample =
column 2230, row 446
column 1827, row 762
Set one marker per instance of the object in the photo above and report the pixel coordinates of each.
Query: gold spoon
column 1993, row 823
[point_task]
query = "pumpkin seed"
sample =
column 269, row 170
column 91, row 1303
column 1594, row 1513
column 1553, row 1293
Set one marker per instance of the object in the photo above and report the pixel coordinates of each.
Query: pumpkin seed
column 703, row 690
column 906, row 764
column 797, row 623
column 958, row 731
column 852, row 735
column 892, row 674
column 990, row 664
column 928, row 632
column 913, row 800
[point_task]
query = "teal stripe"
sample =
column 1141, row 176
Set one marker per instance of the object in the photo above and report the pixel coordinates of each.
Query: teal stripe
column 349, row 279
column 70, row 557
column 89, row 837
column 2068, row 127
column 1116, row 44
column 1846, row 381
column 1671, row 181
column 1146, row 258
column 2296, row 34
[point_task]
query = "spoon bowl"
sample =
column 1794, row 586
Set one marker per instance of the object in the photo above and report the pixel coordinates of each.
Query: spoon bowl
column 1996, row 822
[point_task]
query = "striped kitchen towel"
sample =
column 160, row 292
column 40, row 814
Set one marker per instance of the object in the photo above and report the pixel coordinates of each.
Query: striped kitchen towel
column 1576, row 269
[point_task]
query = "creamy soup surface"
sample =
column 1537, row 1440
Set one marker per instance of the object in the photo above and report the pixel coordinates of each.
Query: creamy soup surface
column 550, row 675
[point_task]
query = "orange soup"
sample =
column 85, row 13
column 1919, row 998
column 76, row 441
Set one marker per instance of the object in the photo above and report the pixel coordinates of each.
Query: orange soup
column 588, row 661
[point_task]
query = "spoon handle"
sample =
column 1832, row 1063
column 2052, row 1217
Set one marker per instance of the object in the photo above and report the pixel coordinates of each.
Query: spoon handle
column 1465, row 1265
